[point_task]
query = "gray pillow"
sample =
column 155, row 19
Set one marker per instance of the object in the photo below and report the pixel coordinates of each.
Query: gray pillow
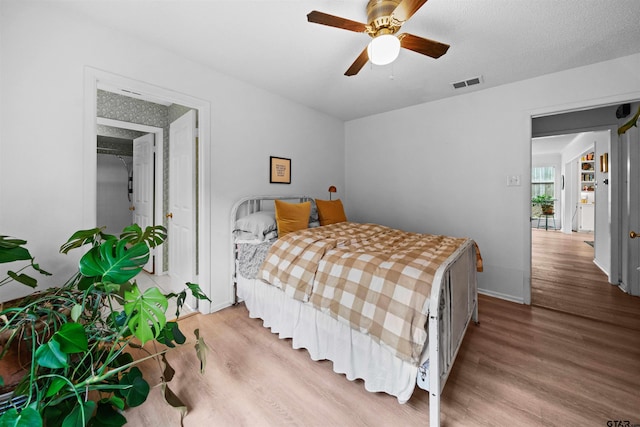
column 313, row 217
column 258, row 223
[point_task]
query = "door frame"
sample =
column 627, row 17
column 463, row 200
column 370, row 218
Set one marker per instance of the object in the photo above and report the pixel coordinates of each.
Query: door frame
column 630, row 283
column 157, row 181
column 615, row 196
column 93, row 76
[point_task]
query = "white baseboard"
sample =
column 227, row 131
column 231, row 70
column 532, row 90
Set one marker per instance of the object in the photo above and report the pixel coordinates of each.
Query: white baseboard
column 604, row 270
column 501, row 296
column 624, row 287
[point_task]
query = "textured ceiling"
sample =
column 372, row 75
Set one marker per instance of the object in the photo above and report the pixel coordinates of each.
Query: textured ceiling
column 271, row 45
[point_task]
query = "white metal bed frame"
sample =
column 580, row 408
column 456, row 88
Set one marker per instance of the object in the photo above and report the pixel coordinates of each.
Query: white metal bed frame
column 459, row 303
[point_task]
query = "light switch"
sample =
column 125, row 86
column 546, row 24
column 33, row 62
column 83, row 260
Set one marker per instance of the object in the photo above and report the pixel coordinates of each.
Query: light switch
column 513, row 180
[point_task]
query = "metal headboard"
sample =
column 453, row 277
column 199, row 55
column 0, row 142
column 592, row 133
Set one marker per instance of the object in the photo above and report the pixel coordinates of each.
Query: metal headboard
column 246, row 206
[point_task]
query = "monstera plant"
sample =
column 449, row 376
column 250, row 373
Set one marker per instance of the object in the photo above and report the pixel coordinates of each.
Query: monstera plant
column 83, row 337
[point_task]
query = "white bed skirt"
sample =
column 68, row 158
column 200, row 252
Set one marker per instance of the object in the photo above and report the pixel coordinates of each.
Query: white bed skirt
column 353, row 353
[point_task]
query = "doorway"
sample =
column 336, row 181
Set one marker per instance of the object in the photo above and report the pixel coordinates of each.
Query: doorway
column 591, row 200
column 151, row 194
column 95, row 78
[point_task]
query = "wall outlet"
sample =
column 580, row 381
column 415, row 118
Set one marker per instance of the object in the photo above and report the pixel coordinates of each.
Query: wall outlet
column 513, row 180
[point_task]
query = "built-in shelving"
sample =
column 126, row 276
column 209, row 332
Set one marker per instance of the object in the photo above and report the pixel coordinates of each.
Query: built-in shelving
column 586, row 207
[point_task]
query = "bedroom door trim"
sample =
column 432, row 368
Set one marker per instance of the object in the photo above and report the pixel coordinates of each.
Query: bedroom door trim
column 91, row 78
column 615, row 197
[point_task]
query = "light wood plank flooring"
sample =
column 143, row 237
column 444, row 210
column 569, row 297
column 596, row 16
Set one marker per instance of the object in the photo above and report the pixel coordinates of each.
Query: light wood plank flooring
column 564, row 278
column 522, row 366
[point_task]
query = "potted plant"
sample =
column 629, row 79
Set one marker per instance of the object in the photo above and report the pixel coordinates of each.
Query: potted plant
column 79, row 336
column 546, row 203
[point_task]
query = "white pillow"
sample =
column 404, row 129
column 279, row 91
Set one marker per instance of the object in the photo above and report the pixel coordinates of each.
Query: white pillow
column 259, row 224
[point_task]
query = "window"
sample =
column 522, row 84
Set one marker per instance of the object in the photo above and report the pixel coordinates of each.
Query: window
column 542, row 183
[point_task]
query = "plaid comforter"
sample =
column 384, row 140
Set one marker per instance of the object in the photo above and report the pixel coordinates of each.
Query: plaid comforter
column 375, row 278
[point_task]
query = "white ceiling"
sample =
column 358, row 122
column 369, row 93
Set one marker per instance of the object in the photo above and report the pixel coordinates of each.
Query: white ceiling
column 271, row 45
column 552, row 144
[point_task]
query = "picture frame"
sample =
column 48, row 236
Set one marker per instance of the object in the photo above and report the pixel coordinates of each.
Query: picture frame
column 279, row 170
column 604, row 163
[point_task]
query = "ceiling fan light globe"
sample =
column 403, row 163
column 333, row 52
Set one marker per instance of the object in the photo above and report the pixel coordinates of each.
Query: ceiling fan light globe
column 383, row 49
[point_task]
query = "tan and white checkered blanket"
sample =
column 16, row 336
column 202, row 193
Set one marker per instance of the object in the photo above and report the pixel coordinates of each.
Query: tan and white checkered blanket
column 375, row 278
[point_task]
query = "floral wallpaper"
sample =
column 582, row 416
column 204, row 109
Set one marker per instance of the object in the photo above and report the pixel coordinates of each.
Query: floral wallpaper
column 118, row 107
column 113, row 132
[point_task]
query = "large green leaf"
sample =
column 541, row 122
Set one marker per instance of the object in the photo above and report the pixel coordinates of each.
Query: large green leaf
column 38, row 269
column 197, row 292
column 72, row 338
column 170, row 333
column 137, row 388
column 28, row 417
column 82, row 237
column 55, row 386
column 7, row 242
column 181, row 297
column 9, row 253
column 23, row 278
column 49, row 355
column 113, row 400
column 79, row 416
column 152, row 235
column 146, row 312
column 114, row 262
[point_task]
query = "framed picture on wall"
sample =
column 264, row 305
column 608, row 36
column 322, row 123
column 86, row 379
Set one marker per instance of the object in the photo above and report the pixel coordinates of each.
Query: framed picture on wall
column 280, row 170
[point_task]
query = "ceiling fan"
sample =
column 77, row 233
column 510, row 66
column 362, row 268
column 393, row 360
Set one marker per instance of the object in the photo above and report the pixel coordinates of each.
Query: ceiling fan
column 385, row 19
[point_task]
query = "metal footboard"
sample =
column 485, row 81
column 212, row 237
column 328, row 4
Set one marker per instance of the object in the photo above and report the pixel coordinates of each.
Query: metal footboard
column 452, row 306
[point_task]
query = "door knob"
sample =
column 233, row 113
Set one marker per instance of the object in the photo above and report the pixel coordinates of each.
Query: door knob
column 132, row 208
column 169, row 215
column 633, row 234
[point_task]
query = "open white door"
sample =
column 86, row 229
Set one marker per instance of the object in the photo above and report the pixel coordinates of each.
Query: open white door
column 630, row 142
column 143, row 185
column 182, row 201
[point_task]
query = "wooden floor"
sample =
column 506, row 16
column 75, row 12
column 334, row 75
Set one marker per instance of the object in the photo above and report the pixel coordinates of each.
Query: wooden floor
column 522, row 366
column 565, row 278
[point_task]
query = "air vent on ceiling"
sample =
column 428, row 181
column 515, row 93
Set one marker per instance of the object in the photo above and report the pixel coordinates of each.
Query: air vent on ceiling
column 466, row 83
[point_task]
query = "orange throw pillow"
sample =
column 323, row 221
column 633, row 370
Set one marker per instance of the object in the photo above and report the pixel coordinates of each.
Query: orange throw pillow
column 292, row 216
column 330, row 211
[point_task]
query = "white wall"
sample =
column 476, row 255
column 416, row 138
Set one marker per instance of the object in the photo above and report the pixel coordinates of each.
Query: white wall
column 44, row 54
column 442, row 167
column 571, row 156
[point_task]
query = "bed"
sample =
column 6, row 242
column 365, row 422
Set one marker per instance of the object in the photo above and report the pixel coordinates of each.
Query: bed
column 390, row 347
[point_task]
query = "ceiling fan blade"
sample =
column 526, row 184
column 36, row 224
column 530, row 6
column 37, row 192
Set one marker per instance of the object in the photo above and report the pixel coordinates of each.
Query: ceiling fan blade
column 424, row 46
column 406, row 9
column 335, row 21
column 358, row 63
